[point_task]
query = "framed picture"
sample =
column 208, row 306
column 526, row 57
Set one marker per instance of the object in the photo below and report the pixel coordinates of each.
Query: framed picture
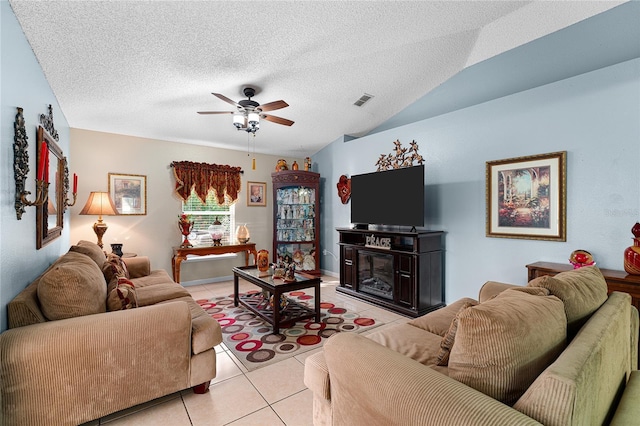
column 526, row 197
column 256, row 194
column 129, row 193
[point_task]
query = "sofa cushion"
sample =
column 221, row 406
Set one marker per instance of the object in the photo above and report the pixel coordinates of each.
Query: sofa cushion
column 582, row 291
column 155, row 277
column 90, row 249
column 503, row 344
column 152, row 294
column 73, row 287
column 114, row 267
column 123, row 294
column 439, row 321
column 447, row 341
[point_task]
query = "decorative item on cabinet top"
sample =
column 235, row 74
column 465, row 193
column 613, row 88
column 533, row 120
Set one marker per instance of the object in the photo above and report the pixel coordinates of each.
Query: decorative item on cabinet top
column 580, row 258
column 282, row 165
column 632, row 253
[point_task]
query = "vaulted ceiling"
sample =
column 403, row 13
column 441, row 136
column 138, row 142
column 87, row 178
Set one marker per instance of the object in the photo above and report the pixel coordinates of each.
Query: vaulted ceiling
column 144, row 68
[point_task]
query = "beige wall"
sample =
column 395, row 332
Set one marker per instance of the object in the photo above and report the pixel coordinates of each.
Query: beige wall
column 94, row 154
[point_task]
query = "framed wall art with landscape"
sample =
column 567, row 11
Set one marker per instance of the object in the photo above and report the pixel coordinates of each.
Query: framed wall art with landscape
column 129, row 193
column 256, row 194
column 526, row 197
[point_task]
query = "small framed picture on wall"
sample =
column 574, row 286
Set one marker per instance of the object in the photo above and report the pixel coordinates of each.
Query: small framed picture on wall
column 256, row 194
column 129, row 193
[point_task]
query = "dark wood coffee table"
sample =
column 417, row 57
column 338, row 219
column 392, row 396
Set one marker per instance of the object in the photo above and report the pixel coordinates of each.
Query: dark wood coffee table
column 293, row 312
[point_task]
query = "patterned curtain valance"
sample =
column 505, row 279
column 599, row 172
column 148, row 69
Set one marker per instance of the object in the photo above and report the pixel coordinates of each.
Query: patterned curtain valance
column 203, row 177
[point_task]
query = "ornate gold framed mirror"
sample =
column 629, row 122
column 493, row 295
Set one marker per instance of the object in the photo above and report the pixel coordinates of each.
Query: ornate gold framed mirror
column 50, row 215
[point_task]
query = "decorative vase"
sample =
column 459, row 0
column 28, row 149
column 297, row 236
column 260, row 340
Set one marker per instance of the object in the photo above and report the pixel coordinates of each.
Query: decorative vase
column 263, row 260
column 242, row 234
column 283, row 302
column 632, row 254
column 185, row 226
column 217, row 232
column 116, row 248
column 281, row 165
column 294, row 166
column 580, row 258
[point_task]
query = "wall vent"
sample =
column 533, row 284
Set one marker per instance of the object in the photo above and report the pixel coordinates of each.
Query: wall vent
column 363, row 99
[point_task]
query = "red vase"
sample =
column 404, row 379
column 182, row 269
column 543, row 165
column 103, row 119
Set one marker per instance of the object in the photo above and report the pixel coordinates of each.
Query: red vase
column 632, row 254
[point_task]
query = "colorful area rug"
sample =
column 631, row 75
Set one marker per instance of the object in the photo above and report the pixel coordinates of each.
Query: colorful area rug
column 252, row 340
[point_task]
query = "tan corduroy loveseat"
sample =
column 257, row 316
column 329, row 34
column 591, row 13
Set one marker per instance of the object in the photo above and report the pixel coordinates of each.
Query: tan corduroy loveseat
column 93, row 335
column 556, row 352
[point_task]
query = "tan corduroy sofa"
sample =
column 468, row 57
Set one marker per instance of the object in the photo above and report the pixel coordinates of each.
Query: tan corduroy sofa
column 556, row 352
column 78, row 348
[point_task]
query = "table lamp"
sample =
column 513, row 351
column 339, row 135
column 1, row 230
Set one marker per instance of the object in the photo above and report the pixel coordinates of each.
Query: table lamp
column 99, row 203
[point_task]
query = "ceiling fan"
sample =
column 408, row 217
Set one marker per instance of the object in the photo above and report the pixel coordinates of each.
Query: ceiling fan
column 248, row 112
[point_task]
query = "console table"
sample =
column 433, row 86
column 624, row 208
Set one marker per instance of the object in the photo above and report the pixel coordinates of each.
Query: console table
column 180, row 254
column 401, row 271
column 616, row 280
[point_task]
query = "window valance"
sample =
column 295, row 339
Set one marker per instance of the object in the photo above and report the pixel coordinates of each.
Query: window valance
column 202, row 178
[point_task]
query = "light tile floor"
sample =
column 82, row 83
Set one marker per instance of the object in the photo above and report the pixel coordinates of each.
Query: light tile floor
column 268, row 396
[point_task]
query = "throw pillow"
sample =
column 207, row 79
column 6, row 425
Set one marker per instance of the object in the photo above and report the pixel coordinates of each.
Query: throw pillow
column 114, row 267
column 503, row 344
column 582, row 291
column 90, row 249
column 74, row 286
column 447, row 341
column 535, row 291
column 439, row 321
column 123, row 296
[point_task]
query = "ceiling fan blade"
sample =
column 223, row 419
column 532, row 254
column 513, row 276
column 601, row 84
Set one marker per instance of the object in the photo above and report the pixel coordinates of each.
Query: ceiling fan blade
column 216, row 112
column 272, row 106
column 224, row 98
column 278, row 120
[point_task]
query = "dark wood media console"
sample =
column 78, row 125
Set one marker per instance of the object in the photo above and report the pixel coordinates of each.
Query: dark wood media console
column 401, row 271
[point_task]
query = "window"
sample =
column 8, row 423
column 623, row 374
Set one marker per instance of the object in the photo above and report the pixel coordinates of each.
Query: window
column 203, row 216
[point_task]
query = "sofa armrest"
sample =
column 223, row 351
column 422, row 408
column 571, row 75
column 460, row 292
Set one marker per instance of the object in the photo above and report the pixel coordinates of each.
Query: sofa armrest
column 371, row 384
column 139, row 266
column 316, row 375
column 75, row 370
column 628, row 411
column 491, row 289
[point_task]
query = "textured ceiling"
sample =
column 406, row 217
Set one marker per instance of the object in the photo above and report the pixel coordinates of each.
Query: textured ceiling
column 144, row 68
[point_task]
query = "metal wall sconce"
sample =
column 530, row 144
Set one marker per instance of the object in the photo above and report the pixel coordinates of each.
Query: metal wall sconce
column 21, row 169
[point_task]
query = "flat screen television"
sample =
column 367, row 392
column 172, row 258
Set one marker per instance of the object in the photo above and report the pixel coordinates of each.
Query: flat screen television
column 391, row 197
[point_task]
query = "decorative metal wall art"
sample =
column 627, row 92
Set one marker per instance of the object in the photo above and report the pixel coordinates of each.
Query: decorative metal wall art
column 21, row 169
column 400, row 157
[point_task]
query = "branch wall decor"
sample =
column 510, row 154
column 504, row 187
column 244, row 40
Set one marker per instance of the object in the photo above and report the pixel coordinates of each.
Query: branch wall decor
column 400, row 157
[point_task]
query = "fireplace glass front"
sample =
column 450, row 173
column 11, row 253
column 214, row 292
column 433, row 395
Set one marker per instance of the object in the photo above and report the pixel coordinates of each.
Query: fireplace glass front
column 375, row 274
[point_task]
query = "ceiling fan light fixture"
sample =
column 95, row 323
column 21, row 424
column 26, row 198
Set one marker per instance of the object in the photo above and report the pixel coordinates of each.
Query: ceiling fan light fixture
column 253, row 119
column 239, row 120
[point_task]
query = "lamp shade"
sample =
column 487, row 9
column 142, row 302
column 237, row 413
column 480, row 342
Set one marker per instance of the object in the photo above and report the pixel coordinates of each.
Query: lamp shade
column 99, row 203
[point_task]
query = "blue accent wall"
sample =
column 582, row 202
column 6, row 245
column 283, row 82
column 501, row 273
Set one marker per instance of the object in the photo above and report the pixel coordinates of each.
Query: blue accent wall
column 594, row 116
column 22, row 84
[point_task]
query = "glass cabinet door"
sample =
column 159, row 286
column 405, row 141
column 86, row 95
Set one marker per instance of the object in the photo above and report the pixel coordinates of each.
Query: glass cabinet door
column 296, row 219
column 295, row 226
